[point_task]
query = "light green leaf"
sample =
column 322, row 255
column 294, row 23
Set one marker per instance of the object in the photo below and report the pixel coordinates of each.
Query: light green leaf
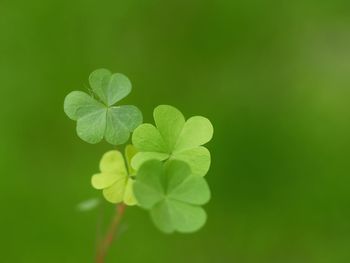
column 171, row 215
column 120, row 122
column 114, row 179
column 198, row 159
column 78, row 104
column 91, row 127
column 146, row 138
column 142, row 157
column 129, row 197
column 181, row 187
column 192, row 190
column 115, row 192
column 112, row 168
column 110, row 88
column 162, row 217
column 186, row 218
column 104, row 180
column 174, row 139
column 170, row 122
column 196, row 131
column 172, row 195
column 99, row 82
column 96, row 120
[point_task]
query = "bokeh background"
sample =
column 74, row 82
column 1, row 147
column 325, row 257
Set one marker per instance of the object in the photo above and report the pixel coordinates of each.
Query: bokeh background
column 273, row 77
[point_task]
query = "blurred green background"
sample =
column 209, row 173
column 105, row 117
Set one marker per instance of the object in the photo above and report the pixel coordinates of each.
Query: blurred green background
column 273, row 77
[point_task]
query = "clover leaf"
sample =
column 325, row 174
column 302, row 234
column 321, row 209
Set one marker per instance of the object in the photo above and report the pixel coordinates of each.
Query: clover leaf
column 98, row 118
column 173, row 138
column 114, row 179
column 173, row 195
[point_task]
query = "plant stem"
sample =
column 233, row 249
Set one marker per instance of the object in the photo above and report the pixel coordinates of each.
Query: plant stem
column 108, row 239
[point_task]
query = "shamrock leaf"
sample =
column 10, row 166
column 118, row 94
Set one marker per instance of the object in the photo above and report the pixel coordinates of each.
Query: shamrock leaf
column 114, row 179
column 173, row 138
column 172, row 195
column 99, row 118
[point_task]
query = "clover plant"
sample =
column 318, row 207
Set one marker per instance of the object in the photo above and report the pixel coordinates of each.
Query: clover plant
column 98, row 117
column 162, row 171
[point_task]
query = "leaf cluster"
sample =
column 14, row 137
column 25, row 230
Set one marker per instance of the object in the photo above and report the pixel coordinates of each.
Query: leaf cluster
column 163, row 170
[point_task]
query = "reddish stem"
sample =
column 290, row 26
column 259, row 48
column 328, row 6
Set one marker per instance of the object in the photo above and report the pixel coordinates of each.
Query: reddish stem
column 108, row 239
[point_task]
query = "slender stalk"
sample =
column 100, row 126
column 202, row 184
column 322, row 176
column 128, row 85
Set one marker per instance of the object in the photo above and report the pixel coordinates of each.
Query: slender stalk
column 110, row 235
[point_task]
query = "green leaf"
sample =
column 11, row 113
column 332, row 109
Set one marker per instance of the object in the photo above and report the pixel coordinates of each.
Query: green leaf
column 96, row 120
column 130, row 152
column 91, row 127
column 148, row 188
column 146, row 138
column 184, row 187
column 169, row 130
column 172, row 194
column 142, row 157
column 161, row 216
column 198, row 159
column 173, row 138
column 120, row 122
column 170, row 216
column 196, row 131
column 110, row 88
column 78, row 104
column 114, row 180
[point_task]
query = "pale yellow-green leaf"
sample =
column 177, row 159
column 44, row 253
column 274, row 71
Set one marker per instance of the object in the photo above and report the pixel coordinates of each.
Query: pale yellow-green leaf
column 115, row 193
column 103, row 180
column 129, row 197
column 114, row 179
column 113, row 162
